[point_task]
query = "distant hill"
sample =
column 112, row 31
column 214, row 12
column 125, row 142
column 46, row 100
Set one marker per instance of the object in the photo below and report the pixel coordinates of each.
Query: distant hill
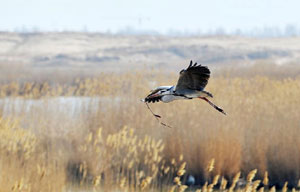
column 102, row 53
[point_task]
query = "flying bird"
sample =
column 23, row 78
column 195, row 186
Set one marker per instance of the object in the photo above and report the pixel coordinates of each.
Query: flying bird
column 190, row 85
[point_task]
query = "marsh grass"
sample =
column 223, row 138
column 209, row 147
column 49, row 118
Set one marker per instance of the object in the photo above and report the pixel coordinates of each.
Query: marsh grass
column 120, row 146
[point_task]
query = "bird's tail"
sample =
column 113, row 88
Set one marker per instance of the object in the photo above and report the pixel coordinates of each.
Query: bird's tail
column 213, row 105
column 207, row 94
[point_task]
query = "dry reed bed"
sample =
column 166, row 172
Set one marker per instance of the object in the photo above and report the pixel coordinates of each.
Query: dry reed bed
column 95, row 149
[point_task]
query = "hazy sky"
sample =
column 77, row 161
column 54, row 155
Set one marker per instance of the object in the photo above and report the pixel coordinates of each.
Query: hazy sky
column 159, row 15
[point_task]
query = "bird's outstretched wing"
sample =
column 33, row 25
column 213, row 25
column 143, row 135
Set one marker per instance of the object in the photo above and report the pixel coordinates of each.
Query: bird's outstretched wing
column 195, row 77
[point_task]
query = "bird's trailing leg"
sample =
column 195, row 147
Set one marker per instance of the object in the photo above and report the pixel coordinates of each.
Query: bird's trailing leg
column 216, row 107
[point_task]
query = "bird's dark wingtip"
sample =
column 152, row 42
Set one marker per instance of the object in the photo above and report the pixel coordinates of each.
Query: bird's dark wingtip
column 191, row 63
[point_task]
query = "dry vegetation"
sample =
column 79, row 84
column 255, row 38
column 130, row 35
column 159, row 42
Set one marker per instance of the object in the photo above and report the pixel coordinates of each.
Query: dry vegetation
column 113, row 143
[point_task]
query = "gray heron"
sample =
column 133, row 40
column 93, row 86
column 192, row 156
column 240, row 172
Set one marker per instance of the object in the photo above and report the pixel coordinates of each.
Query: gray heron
column 190, row 85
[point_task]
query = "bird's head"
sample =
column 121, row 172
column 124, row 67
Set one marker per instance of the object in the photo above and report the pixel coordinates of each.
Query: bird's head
column 159, row 91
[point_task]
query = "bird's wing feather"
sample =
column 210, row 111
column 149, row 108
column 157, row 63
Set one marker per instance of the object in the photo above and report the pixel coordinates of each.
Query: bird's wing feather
column 195, row 77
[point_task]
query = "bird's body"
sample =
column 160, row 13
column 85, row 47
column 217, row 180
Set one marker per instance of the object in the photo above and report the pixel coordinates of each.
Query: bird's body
column 191, row 84
column 169, row 94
